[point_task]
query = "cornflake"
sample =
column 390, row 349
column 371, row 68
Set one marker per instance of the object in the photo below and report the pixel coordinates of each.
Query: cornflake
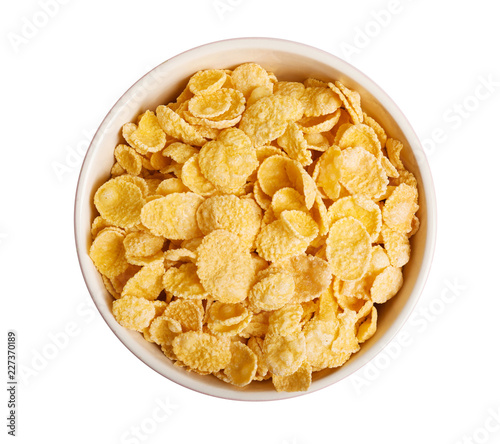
column 251, row 227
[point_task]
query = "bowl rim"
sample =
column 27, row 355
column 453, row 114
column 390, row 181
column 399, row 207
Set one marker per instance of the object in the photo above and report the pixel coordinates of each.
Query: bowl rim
column 270, row 44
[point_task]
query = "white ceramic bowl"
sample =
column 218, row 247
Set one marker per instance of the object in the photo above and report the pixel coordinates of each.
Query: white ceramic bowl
column 289, row 61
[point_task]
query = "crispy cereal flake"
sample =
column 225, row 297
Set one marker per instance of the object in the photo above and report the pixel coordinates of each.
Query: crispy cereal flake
column 242, row 367
column 119, row 202
column 284, row 354
column 386, row 284
column 173, row 216
column 108, row 253
column 202, row 351
column 348, row 249
column 133, row 313
column 183, row 282
column 225, row 267
column 362, row 173
column 299, row 381
column 400, row 208
column 273, row 289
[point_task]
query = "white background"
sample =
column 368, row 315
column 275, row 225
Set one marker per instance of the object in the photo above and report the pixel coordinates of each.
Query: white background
column 60, row 76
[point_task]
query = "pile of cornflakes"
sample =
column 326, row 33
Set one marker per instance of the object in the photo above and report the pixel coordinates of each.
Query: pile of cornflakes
column 251, row 227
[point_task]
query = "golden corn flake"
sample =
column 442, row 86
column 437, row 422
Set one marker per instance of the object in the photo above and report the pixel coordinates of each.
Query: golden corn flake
column 361, row 136
column 312, row 82
column 242, row 367
column 262, row 199
column 389, row 168
column 128, row 158
column 228, row 212
column 183, row 282
column 145, row 260
column 117, row 170
column 328, row 307
column 362, row 209
column 362, row 173
column 258, row 93
column 346, row 341
column 108, row 253
column 318, row 124
column 192, row 244
column 255, row 344
column 295, row 145
column 206, row 131
column 228, row 161
column 293, row 89
column 202, row 351
column 133, row 313
column 319, row 101
column 287, row 199
column 142, row 243
column 149, row 136
column 147, row 283
column 273, row 289
column 268, row 118
column 127, row 130
column 227, row 119
column 351, row 100
column 415, row 225
column 221, row 286
column 173, row 216
column 397, row 246
column 248, row 76
column 257, row 327
column 171, row 185
column 351, row 295
column 273, row 175
column 400, row 208
column 286, row 320
column 375, row 126
column 327, row 172
column 163, row 330
column 227, row 319
column 302, row 182
column 179, row 152
column 394, row 148
column 225, row 266
column 98, row 224
column 110, row 287
column 300, row 224
column 118, row 282
column 348, row 249
column 368, row 327
column 207, row 82
column 317, row 141
column 210, row 105
column 311, row 275
column 159, row 162
column 193, row 178
column 276, row 242
column 284, row 354
column 189, row 314
column 119, row 202
column 180, row 255
column 386, row 284
column 298, row 381
column 319, row 335
column 405, row 177
column 177, row 127
column 378, row 262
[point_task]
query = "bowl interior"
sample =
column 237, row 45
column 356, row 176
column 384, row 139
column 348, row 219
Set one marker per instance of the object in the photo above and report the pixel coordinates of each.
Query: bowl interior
column 289, row 61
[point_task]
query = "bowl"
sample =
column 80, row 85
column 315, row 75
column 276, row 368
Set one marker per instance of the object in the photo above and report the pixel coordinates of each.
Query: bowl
column 289, row 61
